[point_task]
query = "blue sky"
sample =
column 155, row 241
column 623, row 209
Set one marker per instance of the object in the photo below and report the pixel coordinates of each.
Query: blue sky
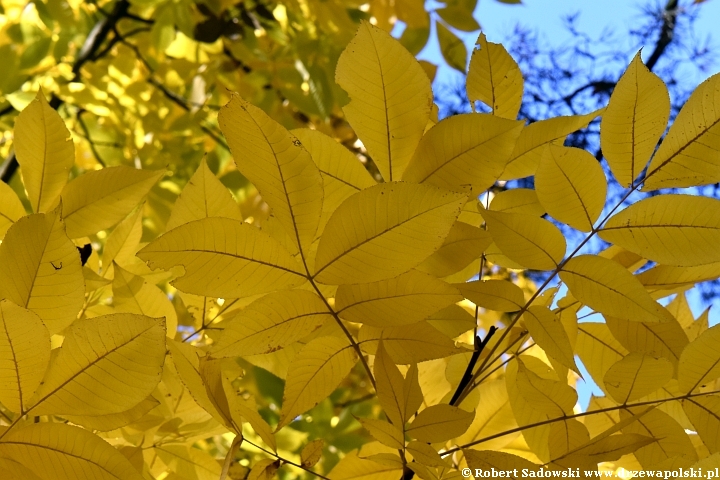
column 545, row 16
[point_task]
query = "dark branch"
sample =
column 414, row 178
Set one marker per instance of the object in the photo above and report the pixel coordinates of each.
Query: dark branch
column 666, row 33
column 467, row 376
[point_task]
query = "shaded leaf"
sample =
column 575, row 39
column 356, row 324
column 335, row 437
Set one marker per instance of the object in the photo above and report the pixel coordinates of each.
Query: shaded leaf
column 99, row 199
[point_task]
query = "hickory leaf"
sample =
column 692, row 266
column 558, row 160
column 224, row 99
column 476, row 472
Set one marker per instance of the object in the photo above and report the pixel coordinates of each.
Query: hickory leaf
column 271, row 323
column 495, row 79
column 253, row 262
column 64, row 452
column 402, row 300
column 203, row 196
column 390, row 97
column 693, row 136
column 681, row 230
column 464, row 151
column 635, row 119
column 45, row 152
column 118, row 357
column 318, row 369
column 99, row 199
column 40, row 270
column 24, row 355
column 360, row 246
column 279, row 166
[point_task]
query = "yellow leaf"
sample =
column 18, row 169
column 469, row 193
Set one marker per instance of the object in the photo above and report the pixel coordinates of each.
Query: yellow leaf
column 278, row 165
column 44, row 151
column 635, row 119
column 352, row 467
column 113, row 421
column 499, row 295
column 452, row 321
column 11, row 208
column 403, row 300
column 425, row 454
column 246, row 409
column 607, row 449
column 399, row 397
column 517, row 200
column 533, row 140
column 605, row 286
column 635, row 376
column 123, row 242
column 486, row 460
column 530, row 241
column 40, row 270
column 203, row 196
column 463, row 244
column 462, row 151
column 24, row 355
column 99, row 199
column 187, row 363
column 271, row 323
column 384, row 231
column 264, row 469
column 189, row 462
column 565, row 437
column 671, row 439
column 311, row 453
column 317, row 370
column 571, row 185
column 132, row 294
column 679, row 230
column 63, row 452
column 598, row 350
column 15, row 471
column 704, row 413
column 440, row 423
column 384, row 432
column 341, row 171
column 555, row 398
column 548, row 332
column 663, row 277
column 452, row 48
column 252, row 262
column 693, row 136
column 700, row 361
column 665, row 339
column 117, row 357
column 495, row 79
column 494, row 416
column 408, row 345
column 390, row 97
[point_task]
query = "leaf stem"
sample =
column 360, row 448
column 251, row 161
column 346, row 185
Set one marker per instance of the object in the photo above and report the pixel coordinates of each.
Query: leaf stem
column 542, row 287
column 347, row 333
column 285, row 460
column 576, row 415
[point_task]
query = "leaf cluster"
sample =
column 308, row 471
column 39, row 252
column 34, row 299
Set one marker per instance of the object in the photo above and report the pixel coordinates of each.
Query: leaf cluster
column 393, row 313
